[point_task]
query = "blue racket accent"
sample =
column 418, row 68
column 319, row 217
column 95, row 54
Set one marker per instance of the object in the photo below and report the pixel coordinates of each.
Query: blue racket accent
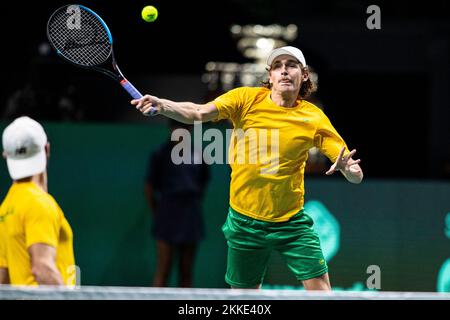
column 131, row 89
column 101, row 21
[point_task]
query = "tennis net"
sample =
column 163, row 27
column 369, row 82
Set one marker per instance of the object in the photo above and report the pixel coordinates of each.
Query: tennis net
column 145, row 293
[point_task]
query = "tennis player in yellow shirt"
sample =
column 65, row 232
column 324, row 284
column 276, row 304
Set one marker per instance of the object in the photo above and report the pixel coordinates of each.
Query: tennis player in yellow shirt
column 38, row 238
column 266, row 203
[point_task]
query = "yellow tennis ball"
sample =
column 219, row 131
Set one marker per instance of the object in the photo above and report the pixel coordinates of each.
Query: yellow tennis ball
column 149, row 13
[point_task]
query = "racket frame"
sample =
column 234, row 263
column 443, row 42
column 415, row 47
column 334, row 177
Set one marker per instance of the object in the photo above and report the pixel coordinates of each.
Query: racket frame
column 115, row 73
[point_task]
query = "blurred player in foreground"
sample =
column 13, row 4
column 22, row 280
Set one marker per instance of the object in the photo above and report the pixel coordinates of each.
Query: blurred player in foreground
column 266, row 207
column 39, row 240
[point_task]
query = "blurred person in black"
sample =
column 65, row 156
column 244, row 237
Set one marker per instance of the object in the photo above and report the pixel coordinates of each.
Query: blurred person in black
column 174, row 194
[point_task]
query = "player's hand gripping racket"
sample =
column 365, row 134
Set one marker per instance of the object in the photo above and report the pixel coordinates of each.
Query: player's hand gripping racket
column 82, row 38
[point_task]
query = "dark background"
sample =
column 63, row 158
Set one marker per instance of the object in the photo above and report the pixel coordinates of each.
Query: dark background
column 386, row 91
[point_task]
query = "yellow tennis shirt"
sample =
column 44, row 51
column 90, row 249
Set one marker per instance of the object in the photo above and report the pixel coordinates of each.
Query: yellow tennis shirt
column 3, row 261
column 32, row 216
column 268, row 151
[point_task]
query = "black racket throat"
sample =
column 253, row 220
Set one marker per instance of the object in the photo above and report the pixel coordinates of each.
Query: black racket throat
column 110, row 68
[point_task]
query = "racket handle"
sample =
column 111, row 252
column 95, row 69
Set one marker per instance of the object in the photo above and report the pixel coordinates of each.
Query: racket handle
column 136, row 94
column 131, row 89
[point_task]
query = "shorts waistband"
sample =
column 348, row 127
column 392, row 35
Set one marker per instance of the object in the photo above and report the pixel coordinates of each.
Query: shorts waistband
column 239, row 215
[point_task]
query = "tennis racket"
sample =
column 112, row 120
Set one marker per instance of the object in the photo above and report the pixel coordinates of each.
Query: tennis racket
column 82, row 38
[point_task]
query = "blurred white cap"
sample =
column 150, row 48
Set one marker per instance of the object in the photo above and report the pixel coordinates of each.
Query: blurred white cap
column 292, row 51
column 24, row 143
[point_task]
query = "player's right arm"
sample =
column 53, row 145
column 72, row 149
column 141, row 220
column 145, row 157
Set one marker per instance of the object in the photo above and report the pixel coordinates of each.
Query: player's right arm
column 43, row 264
column 42, row 225
column 185, row 112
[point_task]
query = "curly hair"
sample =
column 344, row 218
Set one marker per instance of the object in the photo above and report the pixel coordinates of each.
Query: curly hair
column 307, row 88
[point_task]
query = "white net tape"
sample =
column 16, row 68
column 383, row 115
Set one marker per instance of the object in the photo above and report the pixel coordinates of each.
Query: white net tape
column 140, row 293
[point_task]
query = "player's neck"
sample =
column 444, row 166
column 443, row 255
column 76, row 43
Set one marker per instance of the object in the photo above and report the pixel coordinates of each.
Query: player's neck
column 285, row 99
column 40, row 180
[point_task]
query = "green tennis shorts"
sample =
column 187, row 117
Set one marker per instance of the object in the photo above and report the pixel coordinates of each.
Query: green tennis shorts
column 250, row 243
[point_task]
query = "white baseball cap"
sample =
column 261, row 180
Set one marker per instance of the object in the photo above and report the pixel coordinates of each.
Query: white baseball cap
column 24, row 143
column 292, row 51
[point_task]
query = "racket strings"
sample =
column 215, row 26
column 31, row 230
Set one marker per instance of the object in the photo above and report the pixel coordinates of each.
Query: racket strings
column 86, row 44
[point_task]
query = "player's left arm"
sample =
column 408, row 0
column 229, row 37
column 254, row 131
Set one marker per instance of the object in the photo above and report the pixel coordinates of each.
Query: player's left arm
column 349, row 168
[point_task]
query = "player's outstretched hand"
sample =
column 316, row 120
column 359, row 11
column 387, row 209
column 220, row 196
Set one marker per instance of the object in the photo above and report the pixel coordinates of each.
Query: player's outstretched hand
column 345, row 163
column 148, row 105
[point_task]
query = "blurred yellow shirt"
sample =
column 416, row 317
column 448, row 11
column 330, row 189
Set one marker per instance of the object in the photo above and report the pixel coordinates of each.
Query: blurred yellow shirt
column 32, row 216
column 3, row 261
column 272, row 188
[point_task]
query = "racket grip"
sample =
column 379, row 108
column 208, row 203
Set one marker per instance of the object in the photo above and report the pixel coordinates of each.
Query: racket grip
column 131, row 89
column 136, row 94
